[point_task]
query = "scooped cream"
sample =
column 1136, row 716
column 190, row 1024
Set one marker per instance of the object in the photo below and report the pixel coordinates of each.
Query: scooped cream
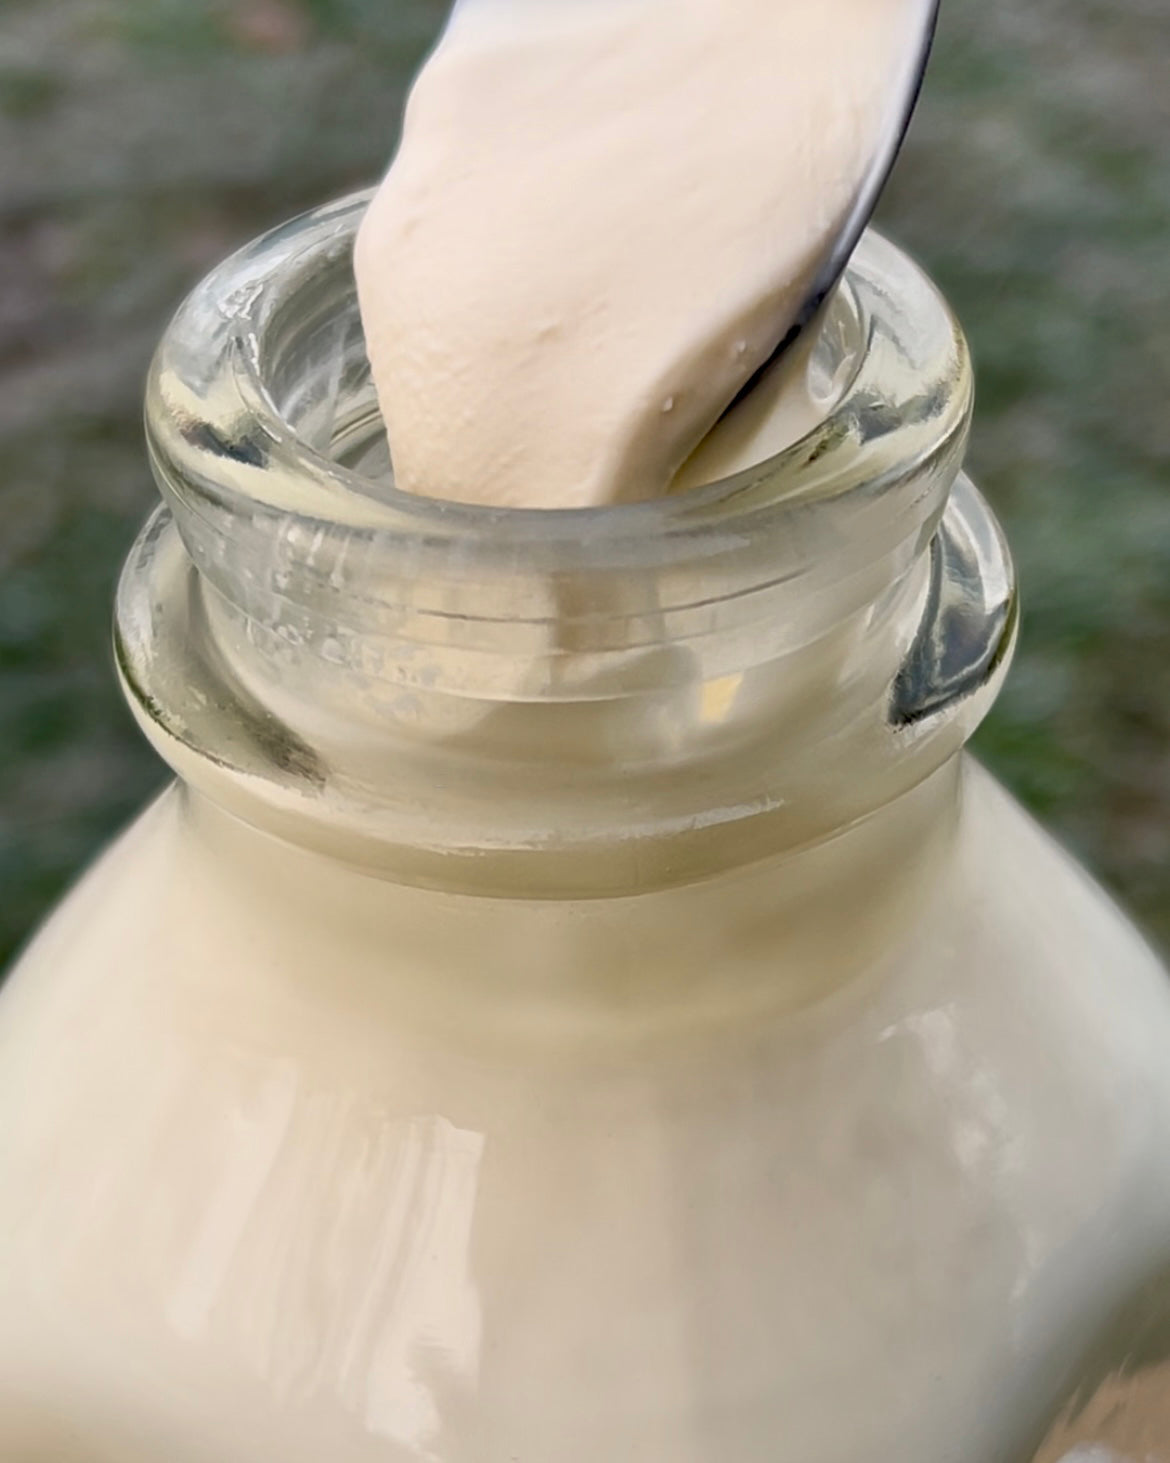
column 603, row 219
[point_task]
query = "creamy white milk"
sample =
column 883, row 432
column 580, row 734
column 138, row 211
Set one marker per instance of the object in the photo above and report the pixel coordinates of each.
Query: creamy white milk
column 604, row 217
column 835, row 1159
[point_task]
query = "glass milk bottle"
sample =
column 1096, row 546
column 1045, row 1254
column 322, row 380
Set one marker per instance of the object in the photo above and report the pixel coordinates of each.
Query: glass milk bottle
column 577, row 1001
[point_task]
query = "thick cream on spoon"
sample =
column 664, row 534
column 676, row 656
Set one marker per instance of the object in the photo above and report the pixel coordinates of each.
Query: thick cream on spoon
column 604, row 217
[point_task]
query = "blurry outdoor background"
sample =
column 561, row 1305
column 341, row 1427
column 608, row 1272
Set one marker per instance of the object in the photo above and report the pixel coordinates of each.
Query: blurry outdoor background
column 140, row 140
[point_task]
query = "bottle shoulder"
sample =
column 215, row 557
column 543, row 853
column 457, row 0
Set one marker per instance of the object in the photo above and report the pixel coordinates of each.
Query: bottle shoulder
column 1017, row 882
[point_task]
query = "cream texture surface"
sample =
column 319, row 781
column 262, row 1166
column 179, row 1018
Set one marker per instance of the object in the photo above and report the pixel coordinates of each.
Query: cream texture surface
column 604, row 217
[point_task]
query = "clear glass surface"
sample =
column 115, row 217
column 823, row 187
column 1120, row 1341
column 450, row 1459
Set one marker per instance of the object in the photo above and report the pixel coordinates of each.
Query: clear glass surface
column 763, row 659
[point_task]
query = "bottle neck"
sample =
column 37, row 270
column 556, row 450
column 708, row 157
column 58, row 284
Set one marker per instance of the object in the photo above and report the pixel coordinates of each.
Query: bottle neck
column 776, row 937
column 620, row 772
column 553, row 704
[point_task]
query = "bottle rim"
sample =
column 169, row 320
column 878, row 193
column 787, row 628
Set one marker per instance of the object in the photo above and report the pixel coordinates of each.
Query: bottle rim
column 273, row 513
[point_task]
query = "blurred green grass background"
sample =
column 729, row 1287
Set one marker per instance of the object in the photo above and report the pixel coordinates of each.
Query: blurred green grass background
column 140, row 140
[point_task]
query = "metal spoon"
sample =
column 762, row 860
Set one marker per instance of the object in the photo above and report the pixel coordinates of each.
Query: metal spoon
column 840, row 246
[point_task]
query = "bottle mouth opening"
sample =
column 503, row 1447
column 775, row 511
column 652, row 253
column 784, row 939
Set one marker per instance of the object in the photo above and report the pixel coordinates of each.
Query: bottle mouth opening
column 267, row 443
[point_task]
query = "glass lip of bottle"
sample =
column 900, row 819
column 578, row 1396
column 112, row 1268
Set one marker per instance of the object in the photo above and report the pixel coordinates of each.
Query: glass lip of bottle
column 273, row 520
